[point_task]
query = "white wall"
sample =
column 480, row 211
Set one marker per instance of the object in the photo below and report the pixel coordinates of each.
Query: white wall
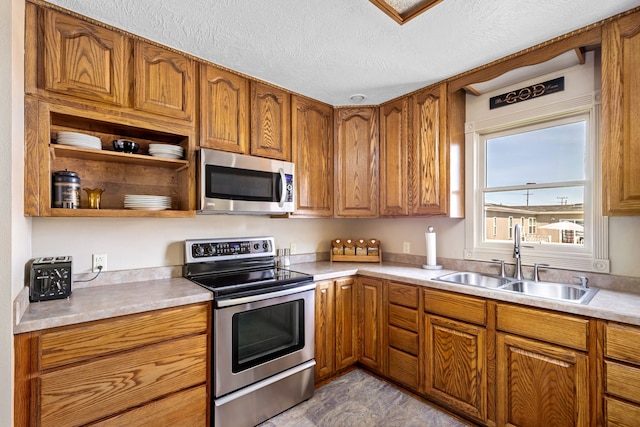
column 14, row 227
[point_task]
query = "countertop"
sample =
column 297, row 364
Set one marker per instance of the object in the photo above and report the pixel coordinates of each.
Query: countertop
column 606, row 304
column 101, row 302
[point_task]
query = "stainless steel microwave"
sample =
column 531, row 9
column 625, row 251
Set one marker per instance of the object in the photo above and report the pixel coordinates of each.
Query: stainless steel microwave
column 236, row 183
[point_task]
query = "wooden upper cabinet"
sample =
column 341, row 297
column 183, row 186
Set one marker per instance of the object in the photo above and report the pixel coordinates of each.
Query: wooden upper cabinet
column 79, row 59
column 356, row 162
column 270, row 122
column 394, row 165
column 621, row 116
column 163, row 82
column 436, row 153
column 224, row 110
column 312, row 143
column 429, row 153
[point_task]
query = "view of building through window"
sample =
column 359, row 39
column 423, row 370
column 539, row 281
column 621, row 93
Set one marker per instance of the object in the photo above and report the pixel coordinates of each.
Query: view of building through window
column 535, row 176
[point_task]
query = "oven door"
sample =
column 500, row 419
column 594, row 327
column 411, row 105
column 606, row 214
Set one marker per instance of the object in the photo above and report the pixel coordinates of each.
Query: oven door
column 257, row 339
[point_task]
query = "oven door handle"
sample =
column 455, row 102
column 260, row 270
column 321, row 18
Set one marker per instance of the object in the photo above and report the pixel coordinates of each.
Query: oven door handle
column 253, row 298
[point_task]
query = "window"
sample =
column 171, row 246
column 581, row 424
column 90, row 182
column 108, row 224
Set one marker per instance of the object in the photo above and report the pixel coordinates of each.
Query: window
column 539, row 167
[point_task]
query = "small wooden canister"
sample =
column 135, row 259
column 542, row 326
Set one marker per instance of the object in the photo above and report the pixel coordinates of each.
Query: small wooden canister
column 373, row 247
column 337, row 247
column 361, row 247
column 349, row 247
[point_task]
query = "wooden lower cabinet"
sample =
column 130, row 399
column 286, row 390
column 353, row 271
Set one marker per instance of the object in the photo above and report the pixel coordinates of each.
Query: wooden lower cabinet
column 542, row 368
column 131, row 370
column 370, row 323
column 456, row 353
column 335, row 330
column 621, row 374
column 404, row 358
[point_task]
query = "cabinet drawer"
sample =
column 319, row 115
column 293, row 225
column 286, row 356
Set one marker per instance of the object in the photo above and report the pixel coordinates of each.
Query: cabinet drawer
column 403, row 317
column 186, row 408
column 622, row 381
column 86, row 392
column 622, row 342
column 620, row 414
column 403, row 367
column 569, row 331
column 456, row 306
column 62, row 346
column 403, row 340
column 401, row 294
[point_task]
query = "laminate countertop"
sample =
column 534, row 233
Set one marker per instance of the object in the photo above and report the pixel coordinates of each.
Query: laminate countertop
column 101, row 302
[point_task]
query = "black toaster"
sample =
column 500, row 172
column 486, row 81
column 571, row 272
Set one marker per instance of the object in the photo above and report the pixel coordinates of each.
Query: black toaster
column 50, row 278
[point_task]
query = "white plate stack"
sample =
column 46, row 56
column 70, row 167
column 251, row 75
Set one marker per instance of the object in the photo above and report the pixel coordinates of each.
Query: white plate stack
column 81, row 140
column 146, row 203
column 166, row 151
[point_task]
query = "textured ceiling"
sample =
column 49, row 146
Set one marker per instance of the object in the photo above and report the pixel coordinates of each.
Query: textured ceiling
column 331, row 49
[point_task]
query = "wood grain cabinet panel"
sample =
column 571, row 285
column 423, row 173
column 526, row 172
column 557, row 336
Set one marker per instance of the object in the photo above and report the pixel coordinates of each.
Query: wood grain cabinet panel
column 325, row 330
column 461, row 307
column 82, row 60
column 558, row 328
column 336, row 339
column 312, row 144
column 346, row 322
column 163, row 82
column 436, row 153
column 356, row 162
column 128, row 370
column 401, row 341
column 370, row 322
column 621, row 374
column 79, row 394
column 540, row 384
column 224, row 110
column 270, row 122
column 621, row 116
column 186, row 408
column 456, row 372
column 394, row 159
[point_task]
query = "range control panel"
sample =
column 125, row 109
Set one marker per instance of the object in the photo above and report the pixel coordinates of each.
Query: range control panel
column 50, row 278
column 202, row 250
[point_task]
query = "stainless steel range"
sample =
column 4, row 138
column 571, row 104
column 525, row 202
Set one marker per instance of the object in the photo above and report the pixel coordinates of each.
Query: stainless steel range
column 263, row 328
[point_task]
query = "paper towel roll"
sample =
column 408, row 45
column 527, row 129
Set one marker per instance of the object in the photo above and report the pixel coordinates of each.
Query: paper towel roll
column 431, row 247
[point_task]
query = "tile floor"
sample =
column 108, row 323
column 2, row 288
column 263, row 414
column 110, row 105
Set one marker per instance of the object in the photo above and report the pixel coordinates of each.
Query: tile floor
column 358, row 399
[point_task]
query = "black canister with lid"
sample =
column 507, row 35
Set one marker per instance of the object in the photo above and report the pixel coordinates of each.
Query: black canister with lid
column 66, row 189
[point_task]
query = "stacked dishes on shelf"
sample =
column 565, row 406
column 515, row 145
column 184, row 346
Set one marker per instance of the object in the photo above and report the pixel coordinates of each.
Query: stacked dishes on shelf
column 166, row 151
column 146, row 203
column 81, row 140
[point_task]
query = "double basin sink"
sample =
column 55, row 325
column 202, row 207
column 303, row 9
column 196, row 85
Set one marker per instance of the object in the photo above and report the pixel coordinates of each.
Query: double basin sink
column 557, row 291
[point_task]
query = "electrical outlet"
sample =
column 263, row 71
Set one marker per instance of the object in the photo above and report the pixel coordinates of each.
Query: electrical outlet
column 406, row 247
column 292, row 248
column 99, row 260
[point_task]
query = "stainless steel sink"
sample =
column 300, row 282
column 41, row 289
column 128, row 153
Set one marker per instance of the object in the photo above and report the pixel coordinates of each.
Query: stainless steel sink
column 551, row 290
column 474, row 279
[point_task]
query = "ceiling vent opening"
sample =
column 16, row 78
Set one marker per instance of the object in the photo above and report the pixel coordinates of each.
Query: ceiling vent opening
column 402, row 11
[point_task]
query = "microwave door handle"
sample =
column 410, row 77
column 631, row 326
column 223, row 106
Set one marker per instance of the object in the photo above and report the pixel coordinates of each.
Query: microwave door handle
column 283, row 187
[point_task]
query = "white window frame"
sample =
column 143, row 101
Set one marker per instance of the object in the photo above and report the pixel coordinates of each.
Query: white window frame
column 593, row 255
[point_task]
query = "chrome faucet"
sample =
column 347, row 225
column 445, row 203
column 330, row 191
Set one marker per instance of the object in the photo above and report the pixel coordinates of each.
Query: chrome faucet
column 516, row 252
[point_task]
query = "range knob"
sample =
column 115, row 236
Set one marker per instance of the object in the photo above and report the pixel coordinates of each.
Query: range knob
column 198, row 250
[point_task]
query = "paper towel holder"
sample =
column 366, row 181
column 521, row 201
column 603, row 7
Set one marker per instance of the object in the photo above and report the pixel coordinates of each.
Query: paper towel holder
column 430, row 237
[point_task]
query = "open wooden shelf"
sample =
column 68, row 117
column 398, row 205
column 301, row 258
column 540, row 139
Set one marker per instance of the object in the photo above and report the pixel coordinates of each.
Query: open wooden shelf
column 68, row 151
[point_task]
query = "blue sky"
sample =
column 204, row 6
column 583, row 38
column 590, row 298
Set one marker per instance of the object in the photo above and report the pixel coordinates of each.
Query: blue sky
column 553, row 154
